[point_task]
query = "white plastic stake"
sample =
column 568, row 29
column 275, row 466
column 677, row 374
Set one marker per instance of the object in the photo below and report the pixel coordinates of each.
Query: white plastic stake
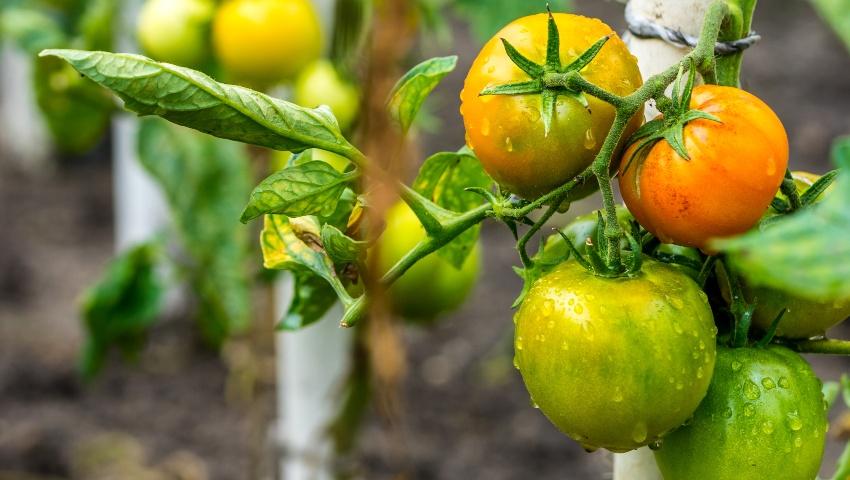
column 140, row 209
column 654, row 56
column 311, row 368
column 23, row 135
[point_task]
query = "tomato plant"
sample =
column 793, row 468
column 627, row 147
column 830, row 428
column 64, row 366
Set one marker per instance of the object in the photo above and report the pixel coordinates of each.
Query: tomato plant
column 615, row 335
column 616, row 370
column 764, row 417
column 253, row 46
column 718, row 175
column 532, row 143
column 175, row 31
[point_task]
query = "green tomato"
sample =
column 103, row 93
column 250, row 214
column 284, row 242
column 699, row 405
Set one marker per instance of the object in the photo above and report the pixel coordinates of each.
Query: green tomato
column 805, row 318
column 764, row 417
column 615, row 363
column 432, row 286
column 175, row 31
column 320, row 84
column 280, row 159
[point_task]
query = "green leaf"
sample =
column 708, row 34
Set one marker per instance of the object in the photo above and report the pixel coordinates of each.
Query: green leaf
column 530, row 68
column 414, row 87
column 312, row 298
column 311, row 188
column 294, row 244
column 487, row 17
column 121, row 307
column 444, row 179
column 836, row 13
column 340, row 247
column 806, row 253
column 30, row 29
column 205, row 180
column 193, row 99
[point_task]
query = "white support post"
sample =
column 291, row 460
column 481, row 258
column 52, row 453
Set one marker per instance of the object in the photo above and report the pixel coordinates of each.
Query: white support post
column 23, row 135
column 311, row 367
column 654, row 56
column 140, row 209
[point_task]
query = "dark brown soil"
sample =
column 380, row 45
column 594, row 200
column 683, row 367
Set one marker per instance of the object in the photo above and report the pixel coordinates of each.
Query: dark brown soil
column 465, row 412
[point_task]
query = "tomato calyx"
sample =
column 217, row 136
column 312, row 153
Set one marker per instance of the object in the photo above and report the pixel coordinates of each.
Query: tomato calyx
column 670, row 126
column 596, row 249
column 796, row 199
column 551, row 79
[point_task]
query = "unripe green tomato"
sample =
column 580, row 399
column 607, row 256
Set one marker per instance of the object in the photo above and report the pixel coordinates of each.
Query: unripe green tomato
column 805, row 318
column 280, row 158
column 432, row 286
column 262, row 42
column 764, row 418
column 175, row 31
column 320, row 84
column 615, row 363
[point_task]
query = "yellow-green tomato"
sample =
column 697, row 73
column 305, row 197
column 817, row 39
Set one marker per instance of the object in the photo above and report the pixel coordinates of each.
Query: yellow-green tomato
column 764, row 418
column 175, row 31
column 615, row 363
column 431, row 287
column 265, row 41
column 321, row 84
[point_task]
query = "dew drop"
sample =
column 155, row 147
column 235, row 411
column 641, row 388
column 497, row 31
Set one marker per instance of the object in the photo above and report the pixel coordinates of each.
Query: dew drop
column 618, row 395
column 767, row 427
column 798, row 442
column 768, row 383
column 751, row 390
column 518, row 344
column 547, row 308
column 565, row 346
column 680, row 386
column 794, row 422
column 677, row 327
column 589, row 140
column 491, row 69
column 509, row 145
column 749, row 410
column 703, row 296
column 516, row 362
column 784, row 383
column 728, row 412
column 579, row 309
column 571, row 302
column 639, row 433
column 485, row 127
column 671, row 379
column 736, row 365
column 699, row 372
column 677, row 302
column 695, row 354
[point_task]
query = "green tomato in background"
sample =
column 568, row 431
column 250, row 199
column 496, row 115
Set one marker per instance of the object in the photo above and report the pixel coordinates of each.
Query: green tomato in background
column 320, row 84
column 805, row 317
column 764, row 417
column 279, row 159
column 433, row 286
column 175, row 31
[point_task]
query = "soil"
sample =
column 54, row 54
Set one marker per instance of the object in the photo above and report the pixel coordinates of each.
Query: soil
column 465, row 413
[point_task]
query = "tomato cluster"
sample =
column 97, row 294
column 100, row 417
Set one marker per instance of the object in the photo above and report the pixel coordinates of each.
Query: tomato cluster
column 622, row 360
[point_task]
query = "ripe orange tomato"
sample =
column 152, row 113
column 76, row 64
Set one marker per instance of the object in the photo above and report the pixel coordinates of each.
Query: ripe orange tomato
column 734, row 171
column 506, row 132
column 265, row 41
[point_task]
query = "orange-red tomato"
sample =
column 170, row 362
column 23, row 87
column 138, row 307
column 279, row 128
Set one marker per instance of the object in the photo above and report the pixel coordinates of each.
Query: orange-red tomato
column 506, row 132
column 734, row 171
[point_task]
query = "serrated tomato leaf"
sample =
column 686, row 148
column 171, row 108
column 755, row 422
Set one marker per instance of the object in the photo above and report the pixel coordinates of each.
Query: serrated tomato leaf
column 312, row 298
column 413, row 88
column 311, row 188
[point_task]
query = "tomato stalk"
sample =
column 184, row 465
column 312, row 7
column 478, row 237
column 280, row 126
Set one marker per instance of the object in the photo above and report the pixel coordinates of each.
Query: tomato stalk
column 737, row 26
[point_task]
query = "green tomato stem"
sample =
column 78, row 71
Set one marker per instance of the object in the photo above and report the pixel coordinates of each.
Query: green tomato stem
column 737, row 26
column 789, row 188
column 819, row 346
column 523, row 241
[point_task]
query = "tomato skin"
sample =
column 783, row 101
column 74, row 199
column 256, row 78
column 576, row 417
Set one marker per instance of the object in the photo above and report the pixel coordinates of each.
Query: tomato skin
column 175, row 31
column 764, row 417
column 266, row 41
column 615, row 363
column 320, row 84
column 432, row 286
column 734, row 171
column 506, row 132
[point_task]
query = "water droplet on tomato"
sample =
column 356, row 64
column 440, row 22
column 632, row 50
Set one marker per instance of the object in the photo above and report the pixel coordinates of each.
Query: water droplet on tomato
column 736, row 365
column 485, row 127
column 677, row 327
column 565, row 346
column 749, row 410
column 516, row 362
column 728, row 412
column 509, row 145
column 699, row 372
column 794, row 422
column 618, row 395
column 639, row 433
column 518, row 344
column 768, row 383
column 798, row 442
column 751, row 390
column 767, row 427
column 784, row 383
column 579, row 309
column 589, row 140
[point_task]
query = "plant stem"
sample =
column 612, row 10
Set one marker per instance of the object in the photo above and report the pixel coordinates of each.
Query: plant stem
column 521, row 244
column 737, row 26
column 789, row 188
column 820, row 346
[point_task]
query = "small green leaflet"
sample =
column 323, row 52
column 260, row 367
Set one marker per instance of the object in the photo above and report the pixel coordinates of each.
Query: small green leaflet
column 806, row 253
column 837, row 14
column 340, row 247
column 312, row 298
column 294, row 244
column 121, row 307
column 311, row 188
column 193, row 99
column 413, row 88
column 443, row 179
column 205, row 181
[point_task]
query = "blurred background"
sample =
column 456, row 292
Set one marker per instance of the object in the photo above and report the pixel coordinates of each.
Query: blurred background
column 190, row 390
